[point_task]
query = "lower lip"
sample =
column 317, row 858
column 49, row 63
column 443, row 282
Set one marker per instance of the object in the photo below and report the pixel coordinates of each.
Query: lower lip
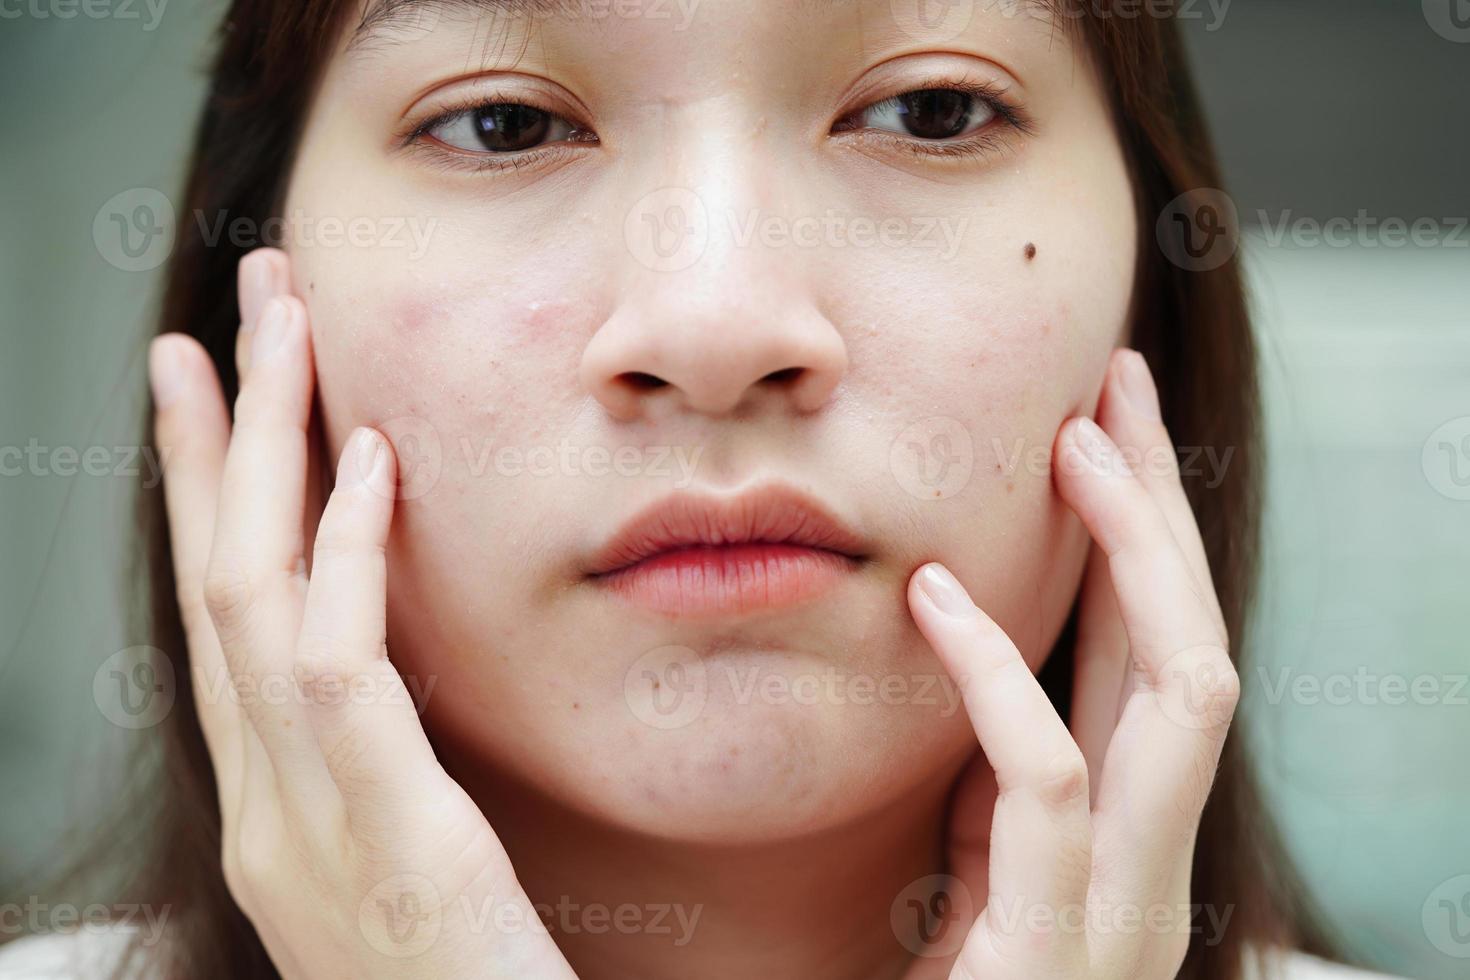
column 730, row 579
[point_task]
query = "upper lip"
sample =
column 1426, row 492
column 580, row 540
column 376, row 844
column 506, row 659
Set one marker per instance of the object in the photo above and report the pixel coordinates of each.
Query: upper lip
column 770, row 515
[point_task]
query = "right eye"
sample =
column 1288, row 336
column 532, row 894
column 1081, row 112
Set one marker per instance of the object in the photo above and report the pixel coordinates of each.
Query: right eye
column 503, row 127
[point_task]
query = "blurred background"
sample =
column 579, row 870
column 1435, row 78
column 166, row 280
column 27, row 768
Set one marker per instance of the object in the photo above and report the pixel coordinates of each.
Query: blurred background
column 1344, row 130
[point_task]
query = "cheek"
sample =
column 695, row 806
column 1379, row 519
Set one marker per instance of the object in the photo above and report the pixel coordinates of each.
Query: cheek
column 479, row 361
column 1001, row 343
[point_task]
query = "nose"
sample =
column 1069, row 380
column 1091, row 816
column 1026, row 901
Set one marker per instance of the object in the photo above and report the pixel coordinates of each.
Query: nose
column 734, row 332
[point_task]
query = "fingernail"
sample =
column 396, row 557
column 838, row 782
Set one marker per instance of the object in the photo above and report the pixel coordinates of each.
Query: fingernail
column 360, row 459
column 944, row 590
column 255, row 291
column 274, row 320
column 165, row 371
column 1097, row 448
column 1138, row 386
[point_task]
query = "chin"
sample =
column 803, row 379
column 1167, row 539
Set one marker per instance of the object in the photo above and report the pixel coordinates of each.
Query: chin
column 750, row 770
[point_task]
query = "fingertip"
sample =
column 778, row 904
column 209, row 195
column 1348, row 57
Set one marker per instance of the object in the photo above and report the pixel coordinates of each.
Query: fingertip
column 1084, row 449
column 167, row 373
column 1133, row 379
column 261, row 274
column 934, row 585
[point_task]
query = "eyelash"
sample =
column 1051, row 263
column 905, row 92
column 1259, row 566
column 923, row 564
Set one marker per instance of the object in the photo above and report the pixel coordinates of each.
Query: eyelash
column 1008, row 115
column 418, row 138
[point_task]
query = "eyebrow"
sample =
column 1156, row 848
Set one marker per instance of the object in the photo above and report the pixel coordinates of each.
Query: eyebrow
column 384, row 16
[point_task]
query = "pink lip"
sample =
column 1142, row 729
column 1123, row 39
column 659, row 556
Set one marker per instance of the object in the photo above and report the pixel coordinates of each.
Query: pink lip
column 696, row 555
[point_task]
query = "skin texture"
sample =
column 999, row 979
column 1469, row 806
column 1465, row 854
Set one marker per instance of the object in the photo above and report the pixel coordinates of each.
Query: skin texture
column 487, row 342
column 518, row 326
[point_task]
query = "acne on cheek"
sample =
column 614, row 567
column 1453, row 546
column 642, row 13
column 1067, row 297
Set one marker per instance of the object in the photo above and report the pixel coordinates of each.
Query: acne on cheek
column 483, row 373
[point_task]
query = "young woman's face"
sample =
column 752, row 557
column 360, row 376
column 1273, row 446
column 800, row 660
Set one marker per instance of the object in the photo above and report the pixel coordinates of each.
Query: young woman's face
column 802, row 291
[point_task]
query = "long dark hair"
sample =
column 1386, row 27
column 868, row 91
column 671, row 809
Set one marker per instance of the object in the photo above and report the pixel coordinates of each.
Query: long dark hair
column 1192, row 326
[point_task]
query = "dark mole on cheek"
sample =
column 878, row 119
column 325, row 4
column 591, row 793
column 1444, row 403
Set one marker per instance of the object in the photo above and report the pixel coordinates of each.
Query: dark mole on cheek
column 1030, row 251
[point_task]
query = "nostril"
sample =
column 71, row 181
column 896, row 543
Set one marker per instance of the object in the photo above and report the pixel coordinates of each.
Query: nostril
column 784, row 376
column 641, row 381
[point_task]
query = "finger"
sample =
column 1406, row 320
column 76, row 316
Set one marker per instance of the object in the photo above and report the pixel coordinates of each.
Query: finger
column 1100, row 672
column 364, row 718
column 193, row 429
column 1041, row 836
column 255, row 581
column 261, row 275
column 1161, row 759
column 1158, row 597
column 1129, row 412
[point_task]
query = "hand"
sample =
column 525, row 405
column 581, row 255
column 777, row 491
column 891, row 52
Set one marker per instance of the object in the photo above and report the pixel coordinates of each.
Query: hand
column 1073, row 889
column 344, row 841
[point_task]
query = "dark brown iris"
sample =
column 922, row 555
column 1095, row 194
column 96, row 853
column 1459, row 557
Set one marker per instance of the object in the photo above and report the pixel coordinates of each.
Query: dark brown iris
column 935, row 114
column 508, row 128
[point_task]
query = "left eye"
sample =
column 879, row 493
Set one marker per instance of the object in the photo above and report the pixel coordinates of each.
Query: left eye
column 928, row 114
column 504, row 127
